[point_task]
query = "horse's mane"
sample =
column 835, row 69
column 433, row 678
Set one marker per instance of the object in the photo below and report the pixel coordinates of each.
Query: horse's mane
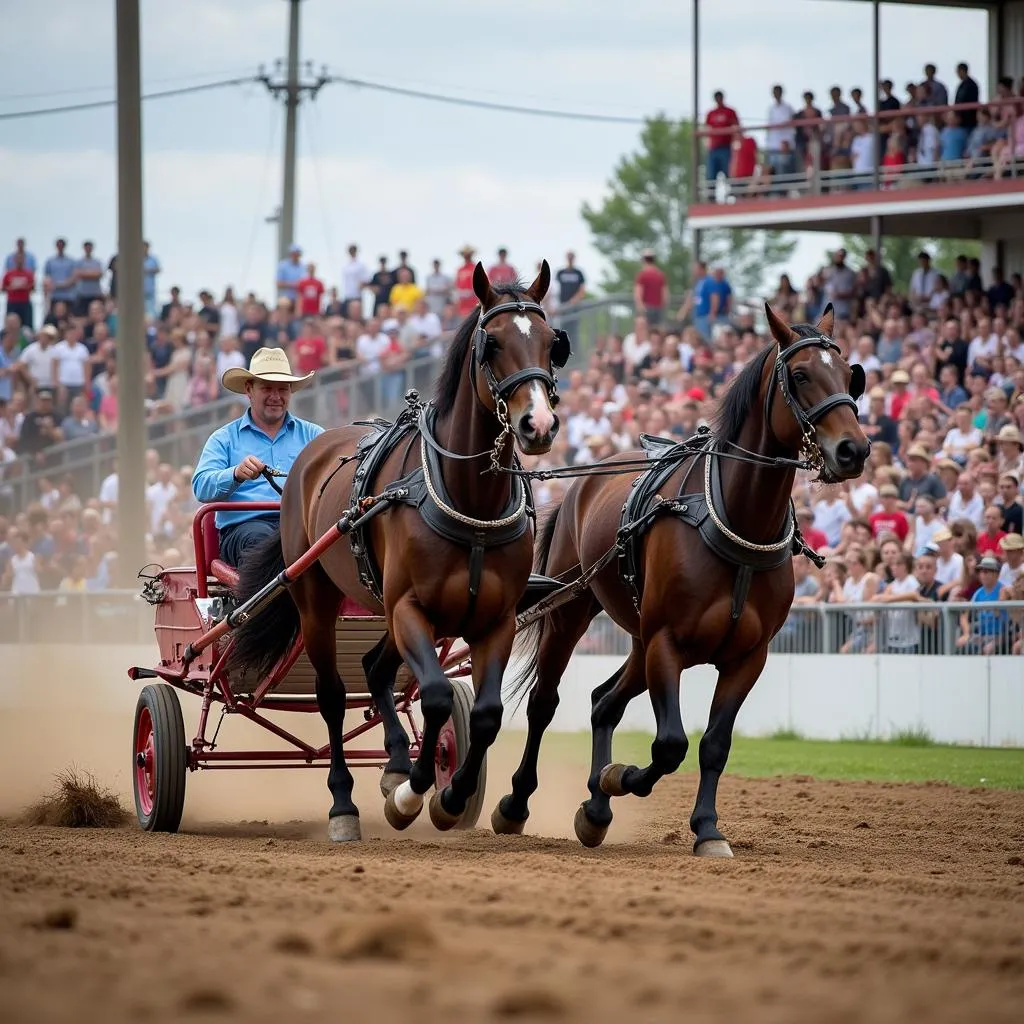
column 739, row 400
column 450, row 377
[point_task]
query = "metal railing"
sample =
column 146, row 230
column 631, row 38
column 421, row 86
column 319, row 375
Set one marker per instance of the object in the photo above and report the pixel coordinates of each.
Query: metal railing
column 337, row 396
column 811, row 174
column 962, row 628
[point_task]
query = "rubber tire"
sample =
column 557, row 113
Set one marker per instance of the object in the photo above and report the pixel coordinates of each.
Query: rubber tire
column 462, row 705
column 171, row 758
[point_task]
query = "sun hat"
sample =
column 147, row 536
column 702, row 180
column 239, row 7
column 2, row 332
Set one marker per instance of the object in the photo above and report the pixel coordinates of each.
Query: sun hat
column 1010, row 434
column 941, row 535
column 900, row 377
column 269, row 364
column 989, row 563
column 918, row 451
column 1012, row 542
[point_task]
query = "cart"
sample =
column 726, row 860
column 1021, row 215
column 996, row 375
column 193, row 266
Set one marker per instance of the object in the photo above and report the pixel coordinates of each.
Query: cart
column 193, row 631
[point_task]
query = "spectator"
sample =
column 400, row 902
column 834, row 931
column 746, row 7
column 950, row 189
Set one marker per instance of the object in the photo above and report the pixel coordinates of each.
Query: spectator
column 980, row 631
column 438, row 289
column 72, row 359
column 876, row 424
column 38, row 361
column 1012, row 548
column 88, row 277
column 502, row 272
column 59, row 278
column 173, row 307
column 310, row 291
column 150, row 272
column 721, row 119
column 952, row 138
column 208, row 313
column 781, row 134
column 992, row 533
column 650, row 289
column 381, row 282
column 840, row 287
column 290, row 272
column 465, row 298
column 1009, row 501
column 80, row 420
column 982, row 139
column 721, row 296
column 29, row 260
column 857, row 96
column 901, row 628
column 308, row 353
column 1010, row 445
column 925, row 526
column 949, row 564
column 963, row 437
column 20, row 576
column 890, row 519
column 935, row 93
column 863, row 152
column 405, row 293
column 403, row 264
column 919, row 481
column 814, row 537
column 830, row 513
column 966, row 92
column 923, row 281
column 39, row 428
column 355, row 276
column 18, row 284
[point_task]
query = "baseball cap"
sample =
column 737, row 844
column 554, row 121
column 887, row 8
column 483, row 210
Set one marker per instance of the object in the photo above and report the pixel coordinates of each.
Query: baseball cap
column 294, row 248
column 931, row 548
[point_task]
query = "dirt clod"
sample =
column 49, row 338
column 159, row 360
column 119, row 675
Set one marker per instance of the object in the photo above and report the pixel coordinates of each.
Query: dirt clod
column 78, row 801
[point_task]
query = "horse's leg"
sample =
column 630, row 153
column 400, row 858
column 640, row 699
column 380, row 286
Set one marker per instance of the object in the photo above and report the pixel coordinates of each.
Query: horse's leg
column 560, row 632
column 664, row 664
column 608, row 705
column 313, row 592
column 489, row 657
column 414, row 637
column 734, row 683
column 380, row 665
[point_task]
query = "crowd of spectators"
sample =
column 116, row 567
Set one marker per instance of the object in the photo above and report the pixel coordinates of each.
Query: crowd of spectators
column 923, row 138
column 937, row 513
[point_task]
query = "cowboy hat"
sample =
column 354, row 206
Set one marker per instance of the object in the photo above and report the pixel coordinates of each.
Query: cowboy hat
column 269, row 364
column 467, row 250
column 1011, row 435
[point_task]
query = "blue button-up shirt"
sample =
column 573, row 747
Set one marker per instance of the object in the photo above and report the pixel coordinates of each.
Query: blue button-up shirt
column 214, row 477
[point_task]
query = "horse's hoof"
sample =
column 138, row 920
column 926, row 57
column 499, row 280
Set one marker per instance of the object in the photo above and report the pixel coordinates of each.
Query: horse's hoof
column 505, row 826
column 344, row 828
column 589, row 834
column 610, row 780
column 402, row 806
column 443, row 821
column 390, row 781
column 712, row 848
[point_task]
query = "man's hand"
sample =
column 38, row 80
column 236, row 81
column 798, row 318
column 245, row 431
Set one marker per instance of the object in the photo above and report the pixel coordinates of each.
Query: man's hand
column 248, row 469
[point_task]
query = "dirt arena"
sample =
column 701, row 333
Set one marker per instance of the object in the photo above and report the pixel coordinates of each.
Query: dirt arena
column 845, row 902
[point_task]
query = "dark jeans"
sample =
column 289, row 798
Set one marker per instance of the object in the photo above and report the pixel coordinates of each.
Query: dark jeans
column 718, row 163
column 237, row 538
column 24, row 312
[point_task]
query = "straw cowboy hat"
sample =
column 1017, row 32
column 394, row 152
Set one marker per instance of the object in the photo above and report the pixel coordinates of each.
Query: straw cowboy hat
column 1011, row 435
column 269, row 364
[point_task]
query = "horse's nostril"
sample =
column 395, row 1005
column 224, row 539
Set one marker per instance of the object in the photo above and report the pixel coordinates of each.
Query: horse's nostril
column 846, row 452
column 526, row 424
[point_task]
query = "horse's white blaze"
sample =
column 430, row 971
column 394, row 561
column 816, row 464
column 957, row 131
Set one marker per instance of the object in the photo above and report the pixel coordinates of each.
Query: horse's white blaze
column 407, row 800
column 539, row 410
column 826, row 358
column 523, row 323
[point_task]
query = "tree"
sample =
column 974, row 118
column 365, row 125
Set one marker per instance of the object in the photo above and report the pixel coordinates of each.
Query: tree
column 899, row 254
column 649, row 193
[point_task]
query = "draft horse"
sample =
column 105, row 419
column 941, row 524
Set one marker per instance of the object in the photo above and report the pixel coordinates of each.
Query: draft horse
column 452, row 560
column 702, row 577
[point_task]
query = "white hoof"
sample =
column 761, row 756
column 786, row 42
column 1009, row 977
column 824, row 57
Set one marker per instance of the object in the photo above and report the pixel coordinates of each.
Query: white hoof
column 344, row 829
column 407, row 800
column 713, row 848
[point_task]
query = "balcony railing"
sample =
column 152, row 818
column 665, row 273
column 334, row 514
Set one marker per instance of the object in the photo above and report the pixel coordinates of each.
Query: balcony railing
column 812, row 172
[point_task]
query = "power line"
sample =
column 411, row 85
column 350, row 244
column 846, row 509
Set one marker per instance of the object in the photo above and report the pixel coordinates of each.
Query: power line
column 99, row 104
column 510, row 108
column 78, row 90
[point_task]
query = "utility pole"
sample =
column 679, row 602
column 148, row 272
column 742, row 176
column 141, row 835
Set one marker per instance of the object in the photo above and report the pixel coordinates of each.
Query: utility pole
column 131, row 326
column 293, row 88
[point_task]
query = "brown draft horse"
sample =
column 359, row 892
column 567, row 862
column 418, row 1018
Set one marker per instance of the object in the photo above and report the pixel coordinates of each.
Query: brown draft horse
column 496, row 382
column 794, row 396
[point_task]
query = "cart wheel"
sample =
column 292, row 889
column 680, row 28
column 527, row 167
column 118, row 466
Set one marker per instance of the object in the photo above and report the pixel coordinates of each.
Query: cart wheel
column 159, row 759
column 451, row 749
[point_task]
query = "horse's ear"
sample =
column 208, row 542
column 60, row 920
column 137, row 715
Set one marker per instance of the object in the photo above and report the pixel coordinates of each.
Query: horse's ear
column 827, row 322
column 482, row 287
column 541, row 283
column 781, row 331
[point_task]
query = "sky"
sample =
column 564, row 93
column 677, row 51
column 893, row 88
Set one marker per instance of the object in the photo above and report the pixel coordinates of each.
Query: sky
column 390, row 172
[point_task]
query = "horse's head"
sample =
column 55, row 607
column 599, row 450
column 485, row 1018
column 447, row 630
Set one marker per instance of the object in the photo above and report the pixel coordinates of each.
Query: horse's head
column 515, row 354
column 818, row 412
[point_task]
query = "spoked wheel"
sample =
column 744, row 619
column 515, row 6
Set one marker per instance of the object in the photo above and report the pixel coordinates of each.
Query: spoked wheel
column 159, row 759
column 451, row 750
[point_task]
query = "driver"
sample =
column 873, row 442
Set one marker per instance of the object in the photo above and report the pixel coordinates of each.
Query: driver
column 234, row 457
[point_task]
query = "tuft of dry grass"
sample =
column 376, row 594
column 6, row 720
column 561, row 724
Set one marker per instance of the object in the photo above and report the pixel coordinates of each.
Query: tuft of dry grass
column 78, row 801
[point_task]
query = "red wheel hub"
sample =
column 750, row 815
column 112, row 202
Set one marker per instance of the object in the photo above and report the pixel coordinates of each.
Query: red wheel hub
column 446, row 756
column 145, row 762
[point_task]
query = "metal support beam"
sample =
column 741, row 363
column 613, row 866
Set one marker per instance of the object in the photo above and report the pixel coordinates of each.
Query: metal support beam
column 286, row 228
column 695, row 155
column 131, row 325
column 876, row 236
column 876, row 71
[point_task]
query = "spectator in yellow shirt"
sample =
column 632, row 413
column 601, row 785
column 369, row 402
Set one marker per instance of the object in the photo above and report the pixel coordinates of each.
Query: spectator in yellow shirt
column 405, row 294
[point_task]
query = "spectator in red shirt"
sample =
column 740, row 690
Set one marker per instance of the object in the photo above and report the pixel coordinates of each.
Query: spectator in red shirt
column 650, row 290
column 744, row 157
column 309, row 350
column 18, row 284
column 989, row 538
column 465, row 298
column 310, row 292
column 722, row 119
column 502, row 272
column 890, row 519
column 900, row 395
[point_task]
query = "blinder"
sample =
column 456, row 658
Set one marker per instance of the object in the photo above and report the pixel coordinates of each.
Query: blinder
column 809, row 418
column 858, row 381
column 483, row 346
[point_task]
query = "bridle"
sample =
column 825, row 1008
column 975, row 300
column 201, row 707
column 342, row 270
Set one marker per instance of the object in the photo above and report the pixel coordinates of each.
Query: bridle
column 808, row 419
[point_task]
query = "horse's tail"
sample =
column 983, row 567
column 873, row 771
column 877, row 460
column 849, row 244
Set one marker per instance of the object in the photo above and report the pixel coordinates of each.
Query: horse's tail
column 528, row 639
column 265, row 638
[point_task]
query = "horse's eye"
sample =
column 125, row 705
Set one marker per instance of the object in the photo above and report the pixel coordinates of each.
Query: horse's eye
column 800, row 377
